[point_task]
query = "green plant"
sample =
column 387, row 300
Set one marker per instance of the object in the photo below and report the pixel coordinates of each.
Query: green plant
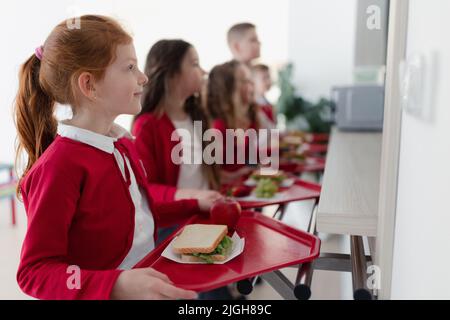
column 294, row 106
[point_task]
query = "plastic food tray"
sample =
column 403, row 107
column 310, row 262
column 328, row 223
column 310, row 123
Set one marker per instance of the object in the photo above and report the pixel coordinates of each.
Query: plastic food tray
column 314, row 148
column 300, row 190
column 269, row 245
column 318, row 164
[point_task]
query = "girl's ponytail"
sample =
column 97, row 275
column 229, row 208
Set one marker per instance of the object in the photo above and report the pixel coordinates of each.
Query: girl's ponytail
column 34, row 114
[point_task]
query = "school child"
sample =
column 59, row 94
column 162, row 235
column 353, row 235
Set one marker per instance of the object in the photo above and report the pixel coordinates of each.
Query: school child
column 243, row 43
column 167, row 142
column 263, row 82
column 230, row 105
column 90, row 216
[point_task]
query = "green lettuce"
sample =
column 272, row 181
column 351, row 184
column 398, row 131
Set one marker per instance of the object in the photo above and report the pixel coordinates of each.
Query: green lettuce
column 223, row 248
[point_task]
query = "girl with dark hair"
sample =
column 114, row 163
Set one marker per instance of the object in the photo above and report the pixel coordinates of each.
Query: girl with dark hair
column 170, row 107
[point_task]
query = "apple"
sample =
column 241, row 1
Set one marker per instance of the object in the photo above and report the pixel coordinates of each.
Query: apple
column 226, row 211
column 241, row 191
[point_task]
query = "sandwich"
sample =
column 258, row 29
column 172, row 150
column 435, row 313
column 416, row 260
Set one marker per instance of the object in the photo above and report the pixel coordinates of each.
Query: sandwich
column 292, row 140
column 276, row 176
column 293, row 155
column 203, row 243
column 266, row 188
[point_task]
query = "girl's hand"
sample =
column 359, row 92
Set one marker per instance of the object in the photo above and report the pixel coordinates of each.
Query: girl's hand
column 207, row 198
column 230, row 177
column 244, row 171
column 147, row 284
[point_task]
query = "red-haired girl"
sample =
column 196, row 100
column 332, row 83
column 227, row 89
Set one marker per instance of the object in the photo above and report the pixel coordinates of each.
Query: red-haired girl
column 90, row 216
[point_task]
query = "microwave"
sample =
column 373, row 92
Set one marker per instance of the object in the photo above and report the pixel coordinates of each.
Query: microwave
column 359, row 107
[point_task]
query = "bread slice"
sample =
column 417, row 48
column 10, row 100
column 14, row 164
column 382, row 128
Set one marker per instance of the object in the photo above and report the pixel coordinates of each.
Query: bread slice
column 294, row 155
column 199, row 238
column 214, row 257
column 268, row 173
column 293, row 140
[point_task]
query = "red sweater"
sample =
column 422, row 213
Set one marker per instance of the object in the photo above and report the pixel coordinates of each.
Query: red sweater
column 80, row 212
column 154, row 146
column 268, row 110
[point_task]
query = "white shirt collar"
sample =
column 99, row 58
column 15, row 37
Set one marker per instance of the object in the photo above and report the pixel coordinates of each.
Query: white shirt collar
column 99, row 141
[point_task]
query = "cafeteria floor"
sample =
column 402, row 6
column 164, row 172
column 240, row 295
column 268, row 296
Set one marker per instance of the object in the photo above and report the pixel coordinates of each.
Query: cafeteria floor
column 325, row 284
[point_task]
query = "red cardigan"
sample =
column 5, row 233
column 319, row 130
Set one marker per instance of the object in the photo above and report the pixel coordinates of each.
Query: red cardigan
column 80, row 212
column 154, row 146
column 268, row 110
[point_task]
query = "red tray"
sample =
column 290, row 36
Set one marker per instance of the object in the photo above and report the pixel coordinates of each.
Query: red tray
column 301, row 190
column 317, row 137
column 269, row 245
column 299, row 167
column 314, row 167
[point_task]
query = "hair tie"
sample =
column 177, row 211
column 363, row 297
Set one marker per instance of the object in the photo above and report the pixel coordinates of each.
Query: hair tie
column 38, row 52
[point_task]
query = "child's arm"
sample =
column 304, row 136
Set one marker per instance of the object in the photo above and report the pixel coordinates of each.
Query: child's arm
column 174, row 212
column 162, row 192
column 50, row 197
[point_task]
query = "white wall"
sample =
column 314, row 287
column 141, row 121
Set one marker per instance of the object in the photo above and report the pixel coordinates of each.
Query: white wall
column 422, row 238
column 203, row 23
column 321, row 44
column 317, row 35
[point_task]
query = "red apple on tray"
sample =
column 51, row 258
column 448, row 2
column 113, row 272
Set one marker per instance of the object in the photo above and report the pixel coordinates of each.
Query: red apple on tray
column 241, row 191
column 226, row 211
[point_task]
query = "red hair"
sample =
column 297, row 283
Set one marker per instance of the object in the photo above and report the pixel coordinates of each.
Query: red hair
column 67, row 52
